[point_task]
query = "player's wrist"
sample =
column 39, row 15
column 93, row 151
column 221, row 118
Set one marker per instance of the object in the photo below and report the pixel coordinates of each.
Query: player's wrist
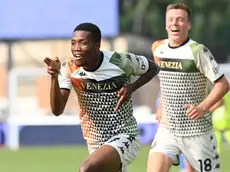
column 132, row 87
column 203, row 108
column 54, row 76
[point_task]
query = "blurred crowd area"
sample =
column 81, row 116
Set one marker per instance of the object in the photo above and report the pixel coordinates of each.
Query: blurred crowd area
column 140, row 24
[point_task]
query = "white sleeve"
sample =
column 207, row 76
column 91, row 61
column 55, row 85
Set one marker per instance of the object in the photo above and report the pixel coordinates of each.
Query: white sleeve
column 135, row 64
column 64, row 79
column 206, row 64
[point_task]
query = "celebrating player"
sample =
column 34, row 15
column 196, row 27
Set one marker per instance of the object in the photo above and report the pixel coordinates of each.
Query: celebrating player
column 101, row 80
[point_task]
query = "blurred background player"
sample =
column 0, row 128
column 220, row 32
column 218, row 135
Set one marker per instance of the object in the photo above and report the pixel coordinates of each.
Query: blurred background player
column 101, row 80
column 221, row 121
column 187, row 68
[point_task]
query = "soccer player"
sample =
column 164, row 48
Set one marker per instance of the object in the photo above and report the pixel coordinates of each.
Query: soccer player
column 187, row 69
column 101, row 80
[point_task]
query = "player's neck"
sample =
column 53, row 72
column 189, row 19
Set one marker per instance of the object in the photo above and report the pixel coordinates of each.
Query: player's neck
column 179, row 43
column 96, row 63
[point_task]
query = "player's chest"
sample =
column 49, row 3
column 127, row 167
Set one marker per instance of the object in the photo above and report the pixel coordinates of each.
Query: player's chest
column 99, row 81
column 175, row 60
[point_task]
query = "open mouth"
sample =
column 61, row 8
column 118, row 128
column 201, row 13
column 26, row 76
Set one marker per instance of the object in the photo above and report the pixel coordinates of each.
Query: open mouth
column 175, row 30
column 78, row 57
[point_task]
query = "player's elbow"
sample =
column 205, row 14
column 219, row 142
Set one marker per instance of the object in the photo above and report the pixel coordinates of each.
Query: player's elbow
column 154, row 68
column 57, row 112
column 157, row 70
column 57, row 108
column 222, row 84
column 225, row 85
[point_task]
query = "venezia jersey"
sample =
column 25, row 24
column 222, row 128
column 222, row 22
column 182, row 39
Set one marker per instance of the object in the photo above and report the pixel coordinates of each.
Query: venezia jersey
column 185, row 77
column 97, row 95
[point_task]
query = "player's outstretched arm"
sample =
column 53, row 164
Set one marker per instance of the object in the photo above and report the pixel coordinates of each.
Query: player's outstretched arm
column 58, row 97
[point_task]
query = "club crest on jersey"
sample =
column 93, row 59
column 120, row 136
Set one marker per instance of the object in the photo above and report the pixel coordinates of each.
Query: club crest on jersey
column 170, row 65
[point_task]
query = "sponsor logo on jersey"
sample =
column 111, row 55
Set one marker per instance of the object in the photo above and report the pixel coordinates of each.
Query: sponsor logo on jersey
column 98, row 86
column 128, row 56
column 170, row 65
column 140, row 62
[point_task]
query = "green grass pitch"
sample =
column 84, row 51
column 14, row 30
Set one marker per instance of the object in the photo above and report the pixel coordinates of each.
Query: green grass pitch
column 68, row 159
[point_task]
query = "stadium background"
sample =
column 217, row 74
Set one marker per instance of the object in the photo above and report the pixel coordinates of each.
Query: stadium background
column 31, row 31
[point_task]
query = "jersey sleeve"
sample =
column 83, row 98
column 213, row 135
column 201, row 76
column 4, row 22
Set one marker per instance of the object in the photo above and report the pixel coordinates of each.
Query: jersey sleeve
column 134, row 64
column 206, row 63
column 155, row 45
column 130, row 64
column 64, row 79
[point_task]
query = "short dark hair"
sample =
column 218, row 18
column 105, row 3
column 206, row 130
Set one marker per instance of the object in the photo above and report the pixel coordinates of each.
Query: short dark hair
column 182, row 7
column 90, row 27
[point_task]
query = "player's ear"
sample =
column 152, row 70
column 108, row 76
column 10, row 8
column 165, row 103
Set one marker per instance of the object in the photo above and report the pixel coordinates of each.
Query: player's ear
column 97, row 45
column 189, row 25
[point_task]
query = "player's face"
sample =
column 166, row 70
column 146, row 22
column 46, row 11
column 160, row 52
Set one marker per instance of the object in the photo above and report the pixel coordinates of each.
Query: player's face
column 83, row 47
column 177, row 25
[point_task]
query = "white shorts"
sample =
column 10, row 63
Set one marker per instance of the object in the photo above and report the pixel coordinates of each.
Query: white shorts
column 127, row 147
column 200, row 151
